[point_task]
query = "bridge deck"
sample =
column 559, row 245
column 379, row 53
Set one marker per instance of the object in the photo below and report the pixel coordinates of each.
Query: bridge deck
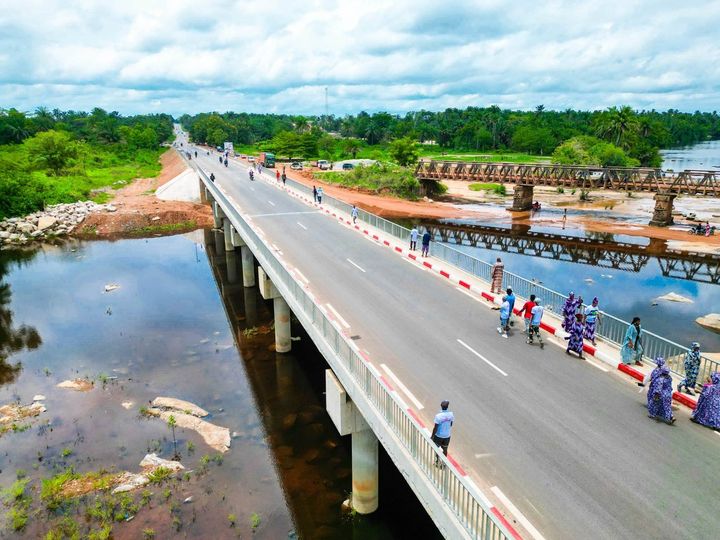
column 701, row 183
column 569, row 445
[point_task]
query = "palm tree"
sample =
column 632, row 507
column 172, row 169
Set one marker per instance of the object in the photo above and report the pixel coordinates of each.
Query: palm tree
column 618, row 124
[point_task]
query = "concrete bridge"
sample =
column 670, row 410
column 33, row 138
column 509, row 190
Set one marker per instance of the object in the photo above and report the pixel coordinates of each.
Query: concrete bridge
column 526, row 176
column 543, row 446
column 702, row 267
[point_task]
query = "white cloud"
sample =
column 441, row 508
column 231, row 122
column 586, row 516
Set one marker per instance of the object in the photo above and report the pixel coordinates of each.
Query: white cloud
column 274, row 55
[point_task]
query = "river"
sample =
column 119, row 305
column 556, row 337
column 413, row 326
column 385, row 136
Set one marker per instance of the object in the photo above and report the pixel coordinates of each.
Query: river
column 704, row 156
column 175, row 327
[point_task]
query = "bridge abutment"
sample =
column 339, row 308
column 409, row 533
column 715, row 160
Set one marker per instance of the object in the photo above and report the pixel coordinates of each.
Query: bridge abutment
column 281, row 310
column 662, row 216
column 522, row 198
column 349, row 421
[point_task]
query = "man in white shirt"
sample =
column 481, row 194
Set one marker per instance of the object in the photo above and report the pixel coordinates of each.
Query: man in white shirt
column 413, row 238
column 441, row 430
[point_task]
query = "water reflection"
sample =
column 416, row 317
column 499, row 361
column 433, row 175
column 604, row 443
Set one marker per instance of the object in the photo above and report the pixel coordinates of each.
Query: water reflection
column 13, row 339
column 701, row 156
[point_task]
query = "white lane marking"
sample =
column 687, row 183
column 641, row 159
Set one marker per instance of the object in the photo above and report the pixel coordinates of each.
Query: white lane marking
column 355, row 265
column 525, row 522
column 593, row 364
column 272, row 214
column 303, row 226
column 478, row 456
column 481, row 357
column 402, row 387
column 339, row 317
column 299, row 273
column 272, row 203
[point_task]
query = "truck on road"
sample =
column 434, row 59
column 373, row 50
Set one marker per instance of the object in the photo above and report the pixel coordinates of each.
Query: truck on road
column 266, row 159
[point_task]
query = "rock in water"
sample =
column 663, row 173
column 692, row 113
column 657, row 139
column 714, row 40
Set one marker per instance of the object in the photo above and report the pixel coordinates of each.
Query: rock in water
column 129, row 481
column 152, row 461
column 111, row 287
column 217, row 437
column 179, row 405
column 673, row 297
column 81, row 385
column 711, row 321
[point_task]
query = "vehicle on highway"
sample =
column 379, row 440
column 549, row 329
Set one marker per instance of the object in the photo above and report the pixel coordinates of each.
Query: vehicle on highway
column 323, row 164
column 251, row 159
column 267, row 159
column 347, row 166
column 296, row 166
column 219, row 148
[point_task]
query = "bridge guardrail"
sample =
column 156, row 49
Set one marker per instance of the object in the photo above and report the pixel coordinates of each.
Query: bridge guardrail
column 610, row 328
column 461, row 498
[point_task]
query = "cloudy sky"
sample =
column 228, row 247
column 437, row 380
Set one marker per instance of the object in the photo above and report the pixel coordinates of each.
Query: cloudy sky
column 395, row 55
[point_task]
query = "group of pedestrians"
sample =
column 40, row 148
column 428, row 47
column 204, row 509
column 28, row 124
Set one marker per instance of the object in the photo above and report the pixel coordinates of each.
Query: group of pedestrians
column 425, row 245
column 531, row 312
column 281, row 176
column 317, row 194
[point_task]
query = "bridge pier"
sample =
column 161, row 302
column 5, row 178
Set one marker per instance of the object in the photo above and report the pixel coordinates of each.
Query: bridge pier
column 349, row 421
column 231, row 264
column 281, row 310
column 522, row 198
column 662, row 217
column 203, row 192
column 218, row 215
column 248, row 266
column 227, row 234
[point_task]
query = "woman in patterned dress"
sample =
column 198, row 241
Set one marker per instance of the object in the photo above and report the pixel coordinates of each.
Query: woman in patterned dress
column 592, row 315
column 692, row 368
column 575, row 339
column 659, row 396
column 569, row 310
column 707, row 411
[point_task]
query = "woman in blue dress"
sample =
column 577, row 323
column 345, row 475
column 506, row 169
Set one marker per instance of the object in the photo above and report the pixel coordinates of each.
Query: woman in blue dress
column 692, row 368
column 632, row 348
column 707, row 411
column 592, row 315
column 575, row 339
column 569, row 311
column 659, row 397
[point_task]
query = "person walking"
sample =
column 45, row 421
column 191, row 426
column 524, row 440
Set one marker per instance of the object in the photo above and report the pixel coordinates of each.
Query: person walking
column 632, row 348
column 277, row 175
column 575, row 339
column 413, row 238
column 425, row 243
column 251, row 175
column 592, row 317
column 354, row 213
column 569, row 311
column 511, row 301
column 225, row 162
column 314, row 194
column 537, row 314
column 504, row 317
column 441, row 430
column 692, row 368
column 212, row 177
column 283, row 176
column 497, row 276
column 319, row 194
column 707, row 411
column 526, row 313
column 659, row 398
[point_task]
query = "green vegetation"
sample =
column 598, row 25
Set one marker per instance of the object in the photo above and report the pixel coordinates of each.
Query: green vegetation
column 498, row 189
column 378, row 178
column 148, row 534
column 254, row 520
column 60, row 157
column 19, row 502
column 586, row 150
column 159, row 475
column 404, row 151
column 66, row 452
column 167, row 228
column 232, row 518
column 51, row 490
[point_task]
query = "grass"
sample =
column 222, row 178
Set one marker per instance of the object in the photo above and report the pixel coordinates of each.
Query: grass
column 167, row 228
column 498, row 189
column 379, row 178
column 232, row 518
column 66, row 452
column 254, row 520
column 19, row 501
column 159, row 475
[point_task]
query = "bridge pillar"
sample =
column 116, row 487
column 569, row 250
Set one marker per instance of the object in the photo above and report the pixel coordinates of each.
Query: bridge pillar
column 248, row 266
column 231, row 263
column 348, row 420
column 522, row 198
column 662, row 217
column 250, row 305
column 219, row 243
column 218, row 214
column 227, row 235
column 281, row 310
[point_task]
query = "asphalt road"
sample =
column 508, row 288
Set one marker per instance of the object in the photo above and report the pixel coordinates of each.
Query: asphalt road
column 570, row 445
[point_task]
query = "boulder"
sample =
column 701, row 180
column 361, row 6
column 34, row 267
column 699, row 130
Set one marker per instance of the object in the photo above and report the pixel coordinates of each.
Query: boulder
column 216, row 437
column 129, row 481
column 80, row 385
column 13, row 412
column 46, row 221
column 711, row 321
column 179, row 405
column 673, row 297
column 152, row 462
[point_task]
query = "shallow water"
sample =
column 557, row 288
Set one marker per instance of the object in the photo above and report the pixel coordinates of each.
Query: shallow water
column 703, row 156
column 166, row 332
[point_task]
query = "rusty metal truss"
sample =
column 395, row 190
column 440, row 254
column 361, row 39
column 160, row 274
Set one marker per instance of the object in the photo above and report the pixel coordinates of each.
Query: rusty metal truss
column 595, row 252
column 702, row 183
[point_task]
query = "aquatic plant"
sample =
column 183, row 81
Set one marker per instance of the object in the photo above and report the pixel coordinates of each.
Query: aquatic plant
column 51, row 490
column 172, row 423
column 66, row 452
column 148, row 534
column 17, row 518
column 159, row 475
column 254, row 520
column 190, row 446
column 232, row 518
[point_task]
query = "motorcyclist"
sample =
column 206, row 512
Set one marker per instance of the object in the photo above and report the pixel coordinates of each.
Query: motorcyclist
column 220, row 159
column 212, row 177
column 252, row 176
column 225, row 162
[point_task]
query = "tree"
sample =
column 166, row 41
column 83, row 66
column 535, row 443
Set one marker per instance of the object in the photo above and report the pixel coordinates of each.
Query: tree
column 404, row 151
column 351, row 146
column 52, row 150
column 618, row 125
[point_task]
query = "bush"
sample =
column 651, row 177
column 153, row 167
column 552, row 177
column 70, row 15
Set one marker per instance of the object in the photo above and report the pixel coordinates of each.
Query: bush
column 379, row 178
column 497, row 189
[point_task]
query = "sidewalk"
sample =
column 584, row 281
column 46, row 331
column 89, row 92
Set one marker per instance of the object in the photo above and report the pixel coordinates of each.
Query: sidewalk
column 608, row 353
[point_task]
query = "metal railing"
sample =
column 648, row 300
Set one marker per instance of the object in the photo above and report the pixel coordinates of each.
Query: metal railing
column 610, row 328
column 461, row 498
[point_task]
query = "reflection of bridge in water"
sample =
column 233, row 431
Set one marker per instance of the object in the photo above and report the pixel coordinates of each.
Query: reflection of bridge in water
column 599, row 250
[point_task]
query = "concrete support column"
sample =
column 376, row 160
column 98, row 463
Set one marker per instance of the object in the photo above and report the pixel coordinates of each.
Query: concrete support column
column 219, row 243
column 522, row 198
column 365, row 477
column 231, row 264
column 227, row 234
column 218, row 214
column 662, row 217
column 249, row 301
column 282, row 325
column 248, row 266
column 203, row 192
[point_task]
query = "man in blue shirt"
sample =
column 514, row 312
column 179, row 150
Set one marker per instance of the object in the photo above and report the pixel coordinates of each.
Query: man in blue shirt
column 441, row 430
column 511, row 300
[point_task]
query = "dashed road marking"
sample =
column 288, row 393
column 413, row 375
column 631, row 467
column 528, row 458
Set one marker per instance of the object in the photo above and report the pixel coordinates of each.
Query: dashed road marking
column 402, row 387
column 355, row 265
column 272, row 203
column 525, row 522
column 481, row 357
column 339, row 317
column 301, row 225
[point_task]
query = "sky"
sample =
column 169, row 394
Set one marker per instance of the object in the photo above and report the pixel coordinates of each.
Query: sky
column 143, row 56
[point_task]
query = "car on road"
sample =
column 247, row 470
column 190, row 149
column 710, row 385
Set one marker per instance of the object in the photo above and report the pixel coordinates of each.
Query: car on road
column 347, row 166
column 296, row 166
column 219, row 149
column 323, row 164
column 251, row 159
